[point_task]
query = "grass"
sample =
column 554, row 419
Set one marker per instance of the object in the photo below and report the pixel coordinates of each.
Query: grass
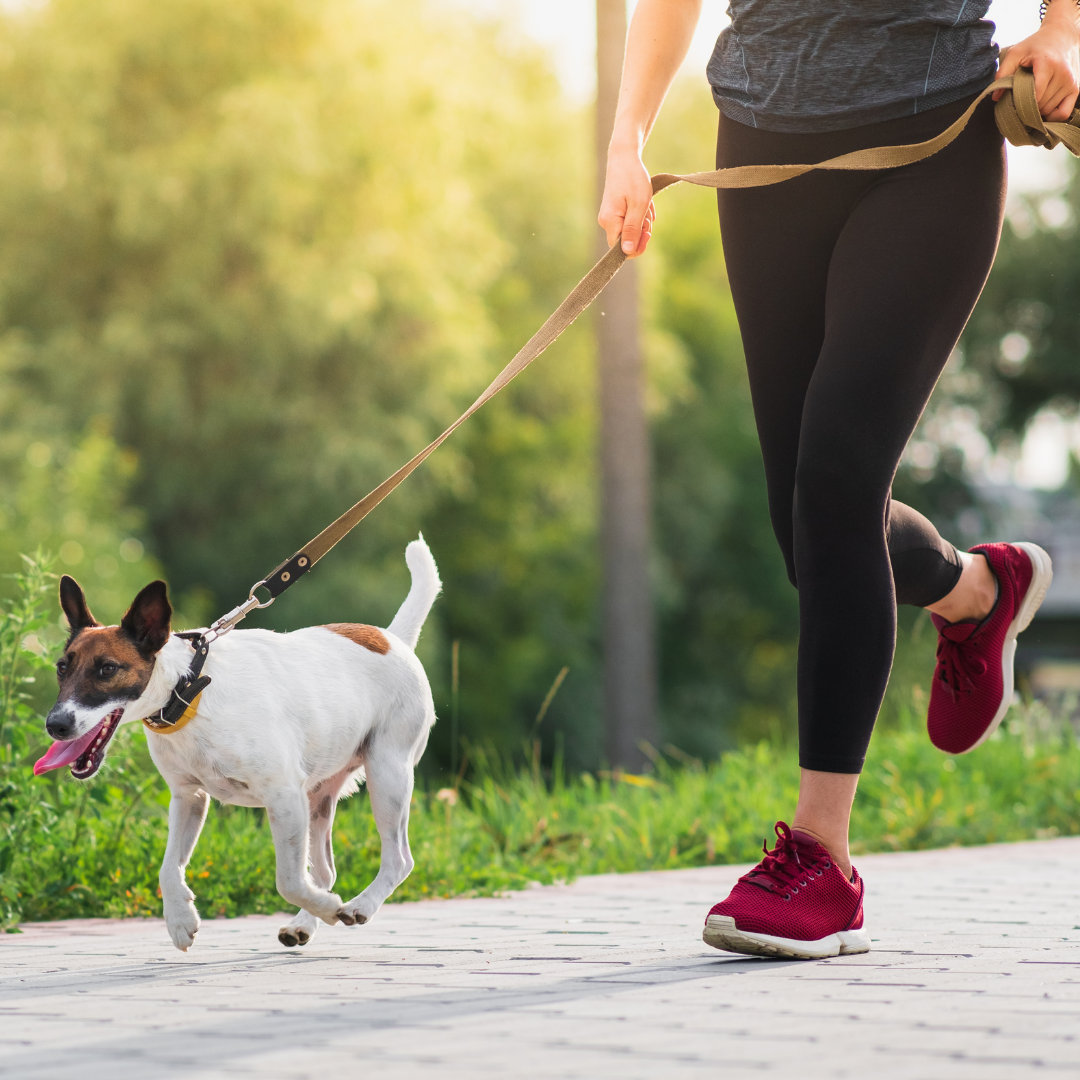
column 72, row 850
column 97, row 848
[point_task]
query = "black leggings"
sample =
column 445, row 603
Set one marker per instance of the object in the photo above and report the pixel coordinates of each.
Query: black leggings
column 851, row 290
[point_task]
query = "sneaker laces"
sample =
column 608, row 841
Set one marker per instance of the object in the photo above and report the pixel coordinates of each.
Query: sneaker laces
column 789, row 866
column 959, row 664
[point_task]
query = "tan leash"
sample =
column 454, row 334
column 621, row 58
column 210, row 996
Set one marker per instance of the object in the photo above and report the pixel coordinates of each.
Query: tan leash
column 1018, row 120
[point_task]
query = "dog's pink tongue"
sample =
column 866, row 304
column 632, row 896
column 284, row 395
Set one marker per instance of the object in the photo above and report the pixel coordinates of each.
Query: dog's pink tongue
column 64, row 753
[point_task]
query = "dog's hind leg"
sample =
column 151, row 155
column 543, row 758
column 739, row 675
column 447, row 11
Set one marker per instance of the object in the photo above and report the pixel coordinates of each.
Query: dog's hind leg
column 289, row 817
column 187, row 812
column 389, row 783
column 322, row 802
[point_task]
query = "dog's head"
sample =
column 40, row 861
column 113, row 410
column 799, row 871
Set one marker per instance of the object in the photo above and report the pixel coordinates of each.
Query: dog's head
column 103, row 669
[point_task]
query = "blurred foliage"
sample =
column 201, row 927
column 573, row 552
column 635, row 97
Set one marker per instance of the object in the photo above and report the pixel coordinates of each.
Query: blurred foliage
column 24, row 639
column 239, row 240
column 1033, row 295
column 69, row 497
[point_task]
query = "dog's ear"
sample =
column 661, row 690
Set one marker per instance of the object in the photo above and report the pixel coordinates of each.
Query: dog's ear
column 148, row 620
column 73, row 602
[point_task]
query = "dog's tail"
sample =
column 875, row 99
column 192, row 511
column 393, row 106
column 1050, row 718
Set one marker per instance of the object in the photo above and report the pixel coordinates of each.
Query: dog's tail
column 425, row 587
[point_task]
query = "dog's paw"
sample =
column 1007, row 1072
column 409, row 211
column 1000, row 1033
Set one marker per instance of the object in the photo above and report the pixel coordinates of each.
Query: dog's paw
column 290, row 937
column 182, row 922
column 300, row 931
column 354, row 913
column 327, row 910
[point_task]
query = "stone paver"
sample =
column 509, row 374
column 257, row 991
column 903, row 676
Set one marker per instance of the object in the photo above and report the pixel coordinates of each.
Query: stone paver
column 975, row 973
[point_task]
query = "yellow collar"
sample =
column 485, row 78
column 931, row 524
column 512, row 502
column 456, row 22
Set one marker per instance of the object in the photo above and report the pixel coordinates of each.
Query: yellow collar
column 159, row 727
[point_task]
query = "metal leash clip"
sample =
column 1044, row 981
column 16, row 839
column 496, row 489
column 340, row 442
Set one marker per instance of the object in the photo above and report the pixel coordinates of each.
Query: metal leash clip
column 227, row 621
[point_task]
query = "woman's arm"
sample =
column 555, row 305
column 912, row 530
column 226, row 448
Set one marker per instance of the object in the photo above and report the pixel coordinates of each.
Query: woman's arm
column 660, row 35
column 1053, row 54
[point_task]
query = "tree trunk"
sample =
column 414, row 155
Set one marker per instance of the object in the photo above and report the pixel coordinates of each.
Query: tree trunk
column 629, row 641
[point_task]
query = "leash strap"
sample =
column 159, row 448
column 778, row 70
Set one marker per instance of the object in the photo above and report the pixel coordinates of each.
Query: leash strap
column 1018, row 119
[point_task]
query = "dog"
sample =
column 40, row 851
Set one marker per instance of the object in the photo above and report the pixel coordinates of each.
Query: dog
column 290, row 722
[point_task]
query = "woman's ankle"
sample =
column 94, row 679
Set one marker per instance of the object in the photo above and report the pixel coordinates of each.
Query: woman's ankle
column 836, row 846
column 824, row 811
column 973, row 596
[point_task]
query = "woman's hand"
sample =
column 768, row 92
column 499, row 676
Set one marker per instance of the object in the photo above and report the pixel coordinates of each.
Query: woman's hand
column 1053, row 54
column 627, row 206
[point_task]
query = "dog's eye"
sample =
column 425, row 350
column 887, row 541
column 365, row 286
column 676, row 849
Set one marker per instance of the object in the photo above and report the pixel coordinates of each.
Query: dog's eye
column 61, row 667
column 107, row 670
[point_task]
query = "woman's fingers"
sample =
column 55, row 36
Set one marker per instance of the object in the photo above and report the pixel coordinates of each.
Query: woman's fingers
column 1044, row 76
column 637, row 228
column 1056, row 88
column 627, row 207
column 1007, row 65
column 1058, row 96
column 646, row 235
column 1053, row 55
column 611, row 221
column 1008, row 62
column 646, row 231
column 1062, row 109
column 636, row 216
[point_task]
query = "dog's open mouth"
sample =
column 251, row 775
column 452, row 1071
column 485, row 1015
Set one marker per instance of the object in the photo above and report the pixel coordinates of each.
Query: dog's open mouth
column 84, row 755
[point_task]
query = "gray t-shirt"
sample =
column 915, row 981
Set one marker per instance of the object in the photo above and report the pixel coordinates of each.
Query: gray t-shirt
column 823, row 65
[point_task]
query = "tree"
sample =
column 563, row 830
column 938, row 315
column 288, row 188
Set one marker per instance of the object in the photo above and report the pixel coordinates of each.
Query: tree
column 625, row 505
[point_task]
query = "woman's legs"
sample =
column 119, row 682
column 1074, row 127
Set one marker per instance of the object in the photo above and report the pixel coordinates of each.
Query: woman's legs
column 851, row 292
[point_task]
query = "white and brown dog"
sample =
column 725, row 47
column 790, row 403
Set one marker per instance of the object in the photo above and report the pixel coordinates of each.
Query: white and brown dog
column 291, row 722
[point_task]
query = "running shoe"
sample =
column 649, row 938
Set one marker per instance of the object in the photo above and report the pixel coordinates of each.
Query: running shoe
column 795, row 903
column 973, row 681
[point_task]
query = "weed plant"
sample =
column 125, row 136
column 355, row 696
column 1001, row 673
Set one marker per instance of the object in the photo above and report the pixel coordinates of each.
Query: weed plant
column 69, row 849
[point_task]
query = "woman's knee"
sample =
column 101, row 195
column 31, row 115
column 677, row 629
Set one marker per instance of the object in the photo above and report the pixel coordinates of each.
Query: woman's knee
column 835, row 502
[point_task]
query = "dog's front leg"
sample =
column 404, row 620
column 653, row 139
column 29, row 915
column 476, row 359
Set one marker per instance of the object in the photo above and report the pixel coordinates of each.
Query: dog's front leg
column 288, row 814
column 187, row 812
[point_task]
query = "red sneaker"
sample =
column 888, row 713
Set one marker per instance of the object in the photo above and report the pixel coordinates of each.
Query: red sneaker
column 973, row 681
column 796, row 902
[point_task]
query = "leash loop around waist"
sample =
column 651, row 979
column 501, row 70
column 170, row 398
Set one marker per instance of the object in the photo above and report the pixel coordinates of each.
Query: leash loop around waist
column 1017, row 117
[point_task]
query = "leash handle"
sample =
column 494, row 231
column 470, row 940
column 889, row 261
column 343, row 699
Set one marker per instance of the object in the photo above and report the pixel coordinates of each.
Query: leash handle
column 1017, row 117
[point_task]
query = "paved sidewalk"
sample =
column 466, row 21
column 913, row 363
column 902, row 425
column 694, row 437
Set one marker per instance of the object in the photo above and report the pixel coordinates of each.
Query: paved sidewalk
column 975, row 973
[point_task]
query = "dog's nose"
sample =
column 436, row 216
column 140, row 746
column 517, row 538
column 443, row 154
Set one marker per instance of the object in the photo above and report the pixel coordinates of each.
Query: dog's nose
column 60, row 723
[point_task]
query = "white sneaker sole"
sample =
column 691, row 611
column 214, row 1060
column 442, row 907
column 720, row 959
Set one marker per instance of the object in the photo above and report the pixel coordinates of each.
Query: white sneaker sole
column 1042, row 573
column 721, row 933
